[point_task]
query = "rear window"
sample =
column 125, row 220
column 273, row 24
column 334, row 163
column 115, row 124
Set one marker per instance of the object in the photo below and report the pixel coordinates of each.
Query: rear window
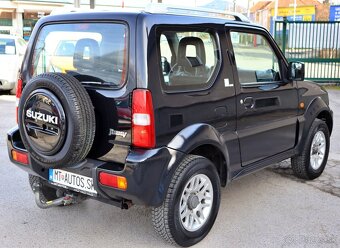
column 7, row 46
column 94, row 53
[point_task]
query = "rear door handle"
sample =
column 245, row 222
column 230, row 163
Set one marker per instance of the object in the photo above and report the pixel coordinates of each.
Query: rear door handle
column 248, row 102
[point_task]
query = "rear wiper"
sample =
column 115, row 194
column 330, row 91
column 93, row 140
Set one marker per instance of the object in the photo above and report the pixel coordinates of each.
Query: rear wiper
column 84, row 78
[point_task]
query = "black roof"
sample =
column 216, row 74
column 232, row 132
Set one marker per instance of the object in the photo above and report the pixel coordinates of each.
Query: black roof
column 159, row 17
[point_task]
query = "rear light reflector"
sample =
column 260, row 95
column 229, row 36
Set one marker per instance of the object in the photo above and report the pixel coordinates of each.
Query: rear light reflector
column 143, row 126
column 19, row 88
column 18, row 95
column 113, row 181
column 21, row 157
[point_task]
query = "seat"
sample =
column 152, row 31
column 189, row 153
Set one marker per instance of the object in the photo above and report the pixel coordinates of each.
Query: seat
column 86, row 55
column 188, row 65
column 112, row 61
column 190, row 68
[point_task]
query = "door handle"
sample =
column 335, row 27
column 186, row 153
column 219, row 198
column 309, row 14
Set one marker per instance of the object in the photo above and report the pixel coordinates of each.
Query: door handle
column 248, row 102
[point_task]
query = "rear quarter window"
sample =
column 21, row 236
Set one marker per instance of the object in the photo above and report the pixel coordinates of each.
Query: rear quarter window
column 94, row 53
column 188, row 59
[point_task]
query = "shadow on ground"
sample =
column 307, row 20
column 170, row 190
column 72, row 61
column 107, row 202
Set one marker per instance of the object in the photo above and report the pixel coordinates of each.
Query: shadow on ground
column 328, row 182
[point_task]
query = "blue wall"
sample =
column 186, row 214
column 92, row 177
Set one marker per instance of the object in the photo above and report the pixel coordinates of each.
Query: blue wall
column 334, row 13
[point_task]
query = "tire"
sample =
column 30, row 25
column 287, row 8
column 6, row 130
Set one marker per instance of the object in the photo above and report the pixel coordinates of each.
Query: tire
column 56, row 120
column 166, row 218
column 46, row 193
column 304, row 165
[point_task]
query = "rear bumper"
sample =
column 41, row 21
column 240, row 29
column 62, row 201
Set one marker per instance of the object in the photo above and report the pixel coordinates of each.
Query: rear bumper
column 148, row 172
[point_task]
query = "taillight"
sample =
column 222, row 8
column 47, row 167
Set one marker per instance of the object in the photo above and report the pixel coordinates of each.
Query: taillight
column 21, row 157
column 143, row 124
column 18, row 95
column 113, row 181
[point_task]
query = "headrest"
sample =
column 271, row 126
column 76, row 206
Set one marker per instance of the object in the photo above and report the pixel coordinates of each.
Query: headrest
column 86, row 53
column 200, row 51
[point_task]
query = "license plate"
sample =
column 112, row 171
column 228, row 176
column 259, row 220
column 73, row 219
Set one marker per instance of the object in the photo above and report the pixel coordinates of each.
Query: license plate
column 73, row 181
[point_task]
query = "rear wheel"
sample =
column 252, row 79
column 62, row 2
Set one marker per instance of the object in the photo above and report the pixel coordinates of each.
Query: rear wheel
column 191, row 204
column 312, row 161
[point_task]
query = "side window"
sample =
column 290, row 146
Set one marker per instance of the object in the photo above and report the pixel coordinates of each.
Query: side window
column 189, row 60
column 255, row 59
column 166, row 57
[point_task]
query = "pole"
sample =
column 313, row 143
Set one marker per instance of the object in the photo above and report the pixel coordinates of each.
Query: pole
column 284, row 34
column 92, row 4
column 276, row 9
column 77, row 3
column 248, row 9
column 294, row 10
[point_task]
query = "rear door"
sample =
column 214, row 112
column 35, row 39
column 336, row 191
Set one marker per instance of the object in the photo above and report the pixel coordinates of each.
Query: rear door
column 267, row 103
column 96, row 54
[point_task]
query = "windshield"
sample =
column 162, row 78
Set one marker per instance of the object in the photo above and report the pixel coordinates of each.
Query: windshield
column 94, row 53
column 7, row 46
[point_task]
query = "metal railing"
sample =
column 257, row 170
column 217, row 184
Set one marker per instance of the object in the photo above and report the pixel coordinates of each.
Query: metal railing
column 317, row 44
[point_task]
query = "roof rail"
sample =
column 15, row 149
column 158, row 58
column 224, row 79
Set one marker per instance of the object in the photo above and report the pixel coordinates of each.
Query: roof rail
column 157, row 8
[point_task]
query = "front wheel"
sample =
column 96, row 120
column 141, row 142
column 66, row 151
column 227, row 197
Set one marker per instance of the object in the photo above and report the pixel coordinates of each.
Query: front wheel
column 191, row 204
column 312, row 161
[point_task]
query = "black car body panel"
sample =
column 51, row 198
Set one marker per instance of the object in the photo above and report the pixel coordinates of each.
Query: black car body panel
column 148, row 172
column 212, row 121
column 316, row 104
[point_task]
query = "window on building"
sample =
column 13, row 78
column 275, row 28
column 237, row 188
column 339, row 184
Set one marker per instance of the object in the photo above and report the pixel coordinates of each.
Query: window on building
column 6, row 18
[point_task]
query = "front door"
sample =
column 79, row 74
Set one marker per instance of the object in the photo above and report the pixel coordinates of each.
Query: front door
column 267, row 103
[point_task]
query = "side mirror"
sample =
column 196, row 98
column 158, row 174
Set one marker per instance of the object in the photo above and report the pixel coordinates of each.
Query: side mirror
column 296, row 71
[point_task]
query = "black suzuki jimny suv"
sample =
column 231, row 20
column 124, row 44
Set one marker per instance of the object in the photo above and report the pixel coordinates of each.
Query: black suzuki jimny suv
column 161, row 109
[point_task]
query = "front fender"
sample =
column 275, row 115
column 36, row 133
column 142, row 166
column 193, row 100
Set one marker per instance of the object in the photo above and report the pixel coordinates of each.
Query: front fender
column 313, row 110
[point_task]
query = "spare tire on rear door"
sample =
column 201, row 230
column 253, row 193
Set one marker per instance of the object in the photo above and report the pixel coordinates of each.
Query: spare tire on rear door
column 56, row 120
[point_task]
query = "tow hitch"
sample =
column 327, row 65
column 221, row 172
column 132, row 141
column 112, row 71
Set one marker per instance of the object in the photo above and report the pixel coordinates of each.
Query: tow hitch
column 68, row 199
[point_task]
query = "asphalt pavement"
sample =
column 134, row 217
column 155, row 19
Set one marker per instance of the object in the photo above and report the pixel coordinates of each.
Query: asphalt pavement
column 270, row 208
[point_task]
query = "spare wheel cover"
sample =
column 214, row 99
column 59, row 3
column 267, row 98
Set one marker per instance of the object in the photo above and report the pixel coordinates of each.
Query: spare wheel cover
column 44, row 122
